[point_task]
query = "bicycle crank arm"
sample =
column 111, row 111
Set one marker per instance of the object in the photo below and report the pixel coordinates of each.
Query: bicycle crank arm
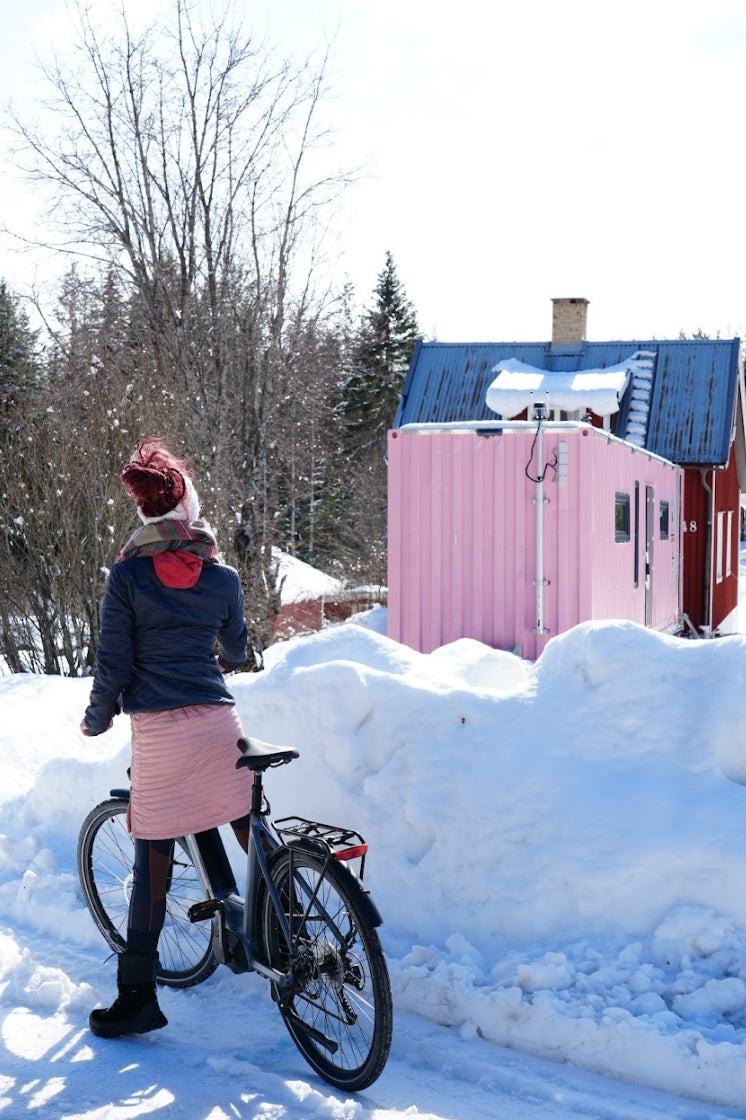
column 322, row 1039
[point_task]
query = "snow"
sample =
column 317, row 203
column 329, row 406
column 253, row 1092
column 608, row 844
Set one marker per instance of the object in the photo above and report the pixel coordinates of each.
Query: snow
column 519, row 386
column 299, row 581
column 558, row 851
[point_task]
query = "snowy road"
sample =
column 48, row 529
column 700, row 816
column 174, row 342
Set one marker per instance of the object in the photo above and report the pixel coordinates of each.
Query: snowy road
column 226, row 1054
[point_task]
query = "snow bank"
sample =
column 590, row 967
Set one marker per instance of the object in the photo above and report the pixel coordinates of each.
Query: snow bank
column 555, row 848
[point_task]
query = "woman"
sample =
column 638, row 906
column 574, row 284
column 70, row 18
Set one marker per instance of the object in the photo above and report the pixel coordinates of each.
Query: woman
column 168, row 605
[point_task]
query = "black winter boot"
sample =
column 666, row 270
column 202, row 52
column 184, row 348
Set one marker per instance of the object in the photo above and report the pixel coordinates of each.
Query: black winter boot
column 135, row 1010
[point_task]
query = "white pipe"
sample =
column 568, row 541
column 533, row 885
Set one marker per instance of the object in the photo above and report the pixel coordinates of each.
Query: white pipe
column 489, row 427
column 540, row 530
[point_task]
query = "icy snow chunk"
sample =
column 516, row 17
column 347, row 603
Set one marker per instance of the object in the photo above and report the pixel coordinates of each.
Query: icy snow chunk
column 553, row 973
column 712, row 1000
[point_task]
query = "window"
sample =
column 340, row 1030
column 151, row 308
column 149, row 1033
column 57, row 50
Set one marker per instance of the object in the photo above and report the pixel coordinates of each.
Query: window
column 719, row 548
column 729, row 544
column 664, row 521
column 621, row 517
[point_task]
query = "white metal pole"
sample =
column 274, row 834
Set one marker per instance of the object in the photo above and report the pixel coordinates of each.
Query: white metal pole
column 540, row 527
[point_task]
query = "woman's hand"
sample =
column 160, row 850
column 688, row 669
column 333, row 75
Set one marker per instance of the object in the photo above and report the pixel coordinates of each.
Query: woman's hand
column 90, row 734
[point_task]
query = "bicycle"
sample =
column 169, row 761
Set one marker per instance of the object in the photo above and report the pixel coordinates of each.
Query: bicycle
column 307, row 923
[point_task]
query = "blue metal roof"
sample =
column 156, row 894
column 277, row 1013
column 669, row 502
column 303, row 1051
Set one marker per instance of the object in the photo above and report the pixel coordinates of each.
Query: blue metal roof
column 691, row 409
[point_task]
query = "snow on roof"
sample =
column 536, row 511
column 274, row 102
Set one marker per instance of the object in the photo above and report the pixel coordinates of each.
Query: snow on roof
column 300, row 581
column 519, row 386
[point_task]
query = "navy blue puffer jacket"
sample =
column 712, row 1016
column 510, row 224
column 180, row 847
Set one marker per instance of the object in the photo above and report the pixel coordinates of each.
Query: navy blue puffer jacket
column 157, row 643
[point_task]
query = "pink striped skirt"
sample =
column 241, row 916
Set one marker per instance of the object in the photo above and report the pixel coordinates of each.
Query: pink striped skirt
column 183, row 776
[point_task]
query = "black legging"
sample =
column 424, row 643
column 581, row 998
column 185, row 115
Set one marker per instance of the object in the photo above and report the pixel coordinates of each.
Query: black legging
column 151, row 871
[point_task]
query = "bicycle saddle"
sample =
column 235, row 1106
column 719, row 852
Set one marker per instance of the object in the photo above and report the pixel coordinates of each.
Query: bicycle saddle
column 258, row 755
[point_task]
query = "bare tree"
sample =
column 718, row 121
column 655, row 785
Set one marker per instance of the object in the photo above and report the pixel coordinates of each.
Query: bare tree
column 63, row 514
column 188, row 157
column 61, row 519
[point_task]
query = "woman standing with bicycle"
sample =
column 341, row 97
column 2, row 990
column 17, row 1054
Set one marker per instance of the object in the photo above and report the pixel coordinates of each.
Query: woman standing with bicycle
column 168, row 604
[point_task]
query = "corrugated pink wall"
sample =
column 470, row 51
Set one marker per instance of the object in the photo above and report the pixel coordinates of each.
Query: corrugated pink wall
column 462, row 536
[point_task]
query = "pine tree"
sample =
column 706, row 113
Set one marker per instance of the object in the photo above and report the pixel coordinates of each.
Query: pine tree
column 380, row 357
column 19, row 363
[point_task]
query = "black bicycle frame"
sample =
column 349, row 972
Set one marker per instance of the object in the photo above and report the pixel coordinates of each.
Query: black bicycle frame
column 236, row 915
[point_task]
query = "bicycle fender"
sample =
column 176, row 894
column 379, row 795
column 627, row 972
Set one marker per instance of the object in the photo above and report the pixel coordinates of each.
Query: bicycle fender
column 368, row 909
column 120, row 794
column 361, row 896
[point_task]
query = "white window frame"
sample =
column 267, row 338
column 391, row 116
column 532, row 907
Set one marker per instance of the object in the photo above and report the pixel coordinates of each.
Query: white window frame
column 729, row 545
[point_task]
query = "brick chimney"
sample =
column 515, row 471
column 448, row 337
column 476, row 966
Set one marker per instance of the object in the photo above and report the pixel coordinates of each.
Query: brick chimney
column 569, row 321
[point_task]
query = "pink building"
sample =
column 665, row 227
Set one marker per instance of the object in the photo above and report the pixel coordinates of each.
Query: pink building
column 511, row 532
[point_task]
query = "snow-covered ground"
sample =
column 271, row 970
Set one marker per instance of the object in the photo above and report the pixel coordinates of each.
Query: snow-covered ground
column 558, row 850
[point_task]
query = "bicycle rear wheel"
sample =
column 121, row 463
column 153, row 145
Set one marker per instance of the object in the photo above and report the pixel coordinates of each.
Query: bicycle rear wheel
column 105, row 857
column 339, row 1012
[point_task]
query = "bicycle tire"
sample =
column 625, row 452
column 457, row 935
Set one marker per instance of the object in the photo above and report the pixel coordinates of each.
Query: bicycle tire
column 105, row 856
column 341, row 983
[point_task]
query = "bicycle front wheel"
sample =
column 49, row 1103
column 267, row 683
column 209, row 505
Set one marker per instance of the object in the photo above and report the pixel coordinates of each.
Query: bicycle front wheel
column 105, row 857
column 339, row 1012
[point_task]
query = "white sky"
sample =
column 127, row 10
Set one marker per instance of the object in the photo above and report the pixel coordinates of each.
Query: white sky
column 515, row 152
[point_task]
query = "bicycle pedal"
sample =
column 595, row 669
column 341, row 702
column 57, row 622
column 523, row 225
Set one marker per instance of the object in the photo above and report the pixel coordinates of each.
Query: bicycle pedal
column 201, row 911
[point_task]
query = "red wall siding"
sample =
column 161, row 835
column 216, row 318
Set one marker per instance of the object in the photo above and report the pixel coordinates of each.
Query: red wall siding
column 694, row 549
column 310, row 615
column 700, row 541
column 727, row 501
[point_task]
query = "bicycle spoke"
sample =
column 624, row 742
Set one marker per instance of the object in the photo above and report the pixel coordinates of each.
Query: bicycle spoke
column 105, row 856
column 341, row 990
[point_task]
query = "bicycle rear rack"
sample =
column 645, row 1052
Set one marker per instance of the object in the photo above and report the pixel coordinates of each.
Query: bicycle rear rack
column 344, row 844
